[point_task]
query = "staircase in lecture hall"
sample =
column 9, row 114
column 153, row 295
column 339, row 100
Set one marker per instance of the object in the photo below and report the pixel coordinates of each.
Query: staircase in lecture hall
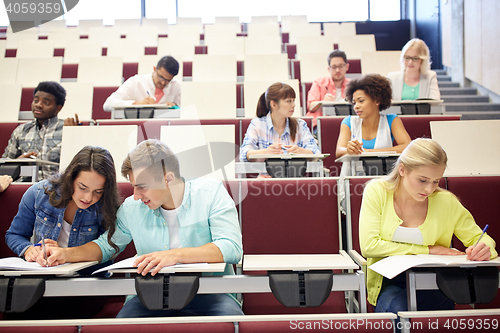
column 465, row 101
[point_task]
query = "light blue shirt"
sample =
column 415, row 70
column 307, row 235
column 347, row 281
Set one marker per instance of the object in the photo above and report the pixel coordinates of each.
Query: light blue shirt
column 261, row 134
column 207, row 215
column 370, row 144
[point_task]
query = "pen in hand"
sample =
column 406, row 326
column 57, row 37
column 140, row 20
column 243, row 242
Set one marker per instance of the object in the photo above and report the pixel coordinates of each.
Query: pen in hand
column 484, row 230
column 45, row 252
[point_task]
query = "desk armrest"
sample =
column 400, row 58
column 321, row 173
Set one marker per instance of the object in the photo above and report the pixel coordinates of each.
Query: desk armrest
column 358, row 258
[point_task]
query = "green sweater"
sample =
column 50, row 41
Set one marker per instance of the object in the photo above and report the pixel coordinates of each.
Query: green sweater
column 378, row 222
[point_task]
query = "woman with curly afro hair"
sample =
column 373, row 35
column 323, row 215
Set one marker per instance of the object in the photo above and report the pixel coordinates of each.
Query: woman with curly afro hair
column 370, row 130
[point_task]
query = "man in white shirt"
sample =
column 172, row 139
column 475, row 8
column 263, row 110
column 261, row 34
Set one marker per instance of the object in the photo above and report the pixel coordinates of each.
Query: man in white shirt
column 155, row 88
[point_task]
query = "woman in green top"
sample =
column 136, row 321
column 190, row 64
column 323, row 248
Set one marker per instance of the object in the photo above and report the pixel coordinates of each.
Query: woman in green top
column 415, row 80
column 407, row 213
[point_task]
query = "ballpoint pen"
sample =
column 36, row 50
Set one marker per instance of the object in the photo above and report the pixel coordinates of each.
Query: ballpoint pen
column 45, row 252
column 484, row 230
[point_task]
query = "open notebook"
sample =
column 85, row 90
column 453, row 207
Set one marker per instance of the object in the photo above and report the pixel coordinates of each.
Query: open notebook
column 394, row 265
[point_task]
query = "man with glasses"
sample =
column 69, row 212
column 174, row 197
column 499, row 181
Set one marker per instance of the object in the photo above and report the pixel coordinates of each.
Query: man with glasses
column 154, row 88
column 329, row 88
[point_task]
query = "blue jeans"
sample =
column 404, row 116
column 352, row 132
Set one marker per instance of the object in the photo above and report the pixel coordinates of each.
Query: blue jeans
column 201, row 305
column 393, row 298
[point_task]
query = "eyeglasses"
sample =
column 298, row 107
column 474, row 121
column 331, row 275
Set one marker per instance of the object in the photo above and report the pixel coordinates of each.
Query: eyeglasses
column 415, row 59
column 161, row 78
column 339, row 67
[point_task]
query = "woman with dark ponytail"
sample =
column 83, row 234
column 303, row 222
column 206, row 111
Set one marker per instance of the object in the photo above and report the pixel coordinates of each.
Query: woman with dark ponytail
column 274, row 131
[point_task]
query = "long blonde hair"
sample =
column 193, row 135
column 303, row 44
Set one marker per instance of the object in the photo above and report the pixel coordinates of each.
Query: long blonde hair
column 420, row 152
column 422, row 51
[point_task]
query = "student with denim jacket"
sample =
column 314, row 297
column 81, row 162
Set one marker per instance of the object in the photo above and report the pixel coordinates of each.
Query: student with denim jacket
column 70, row 209
column 67, row 210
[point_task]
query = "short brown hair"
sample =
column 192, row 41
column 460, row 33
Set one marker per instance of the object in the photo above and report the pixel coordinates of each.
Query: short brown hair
column 153, row 155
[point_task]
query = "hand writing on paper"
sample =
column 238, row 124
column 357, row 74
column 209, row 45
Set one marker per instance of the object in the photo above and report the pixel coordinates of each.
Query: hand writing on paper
column 479, row 252
column 32, row 253
column 275, row 148
column 329, row 97
column 155, row 261
column 55, row 255
column 354, row 147
column 170, row 104
column 293, row 149
column 446, row 251
column 147, row 100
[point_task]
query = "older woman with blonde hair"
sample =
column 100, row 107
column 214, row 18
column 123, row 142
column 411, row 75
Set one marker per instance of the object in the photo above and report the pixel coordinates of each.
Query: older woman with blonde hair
column 408, row 213
column 415, row 80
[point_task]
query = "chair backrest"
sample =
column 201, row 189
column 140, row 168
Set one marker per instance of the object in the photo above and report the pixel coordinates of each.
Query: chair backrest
column 306, row 224
column 208, row 327
column 263, row 45
column 227, row 20
column 118, row 140
column 210, row 68
column 188, row 32
column 313, row 66
column 39, row 48
column 14, row 38
column 129, row 49
column 314, row 44
column 354, row 46
column 10, row 97
column 31, row 71
column 380, row 62
column 9, row 202
column 206, row 97
column 149, row 35
column 252, row 90
column 202, row 150
column 303, row 30
column 102, row 71
column 419, row 126
column 263, row 30
column 480, row 196
column 179, row 46
column 226, row 46
column 196, row 21
column 8, row 68
column 79, row 48
column 40, row 328
column 79, row 98
column 335, row 30
column 328, row 134
column 259, row 67
column 3, row 44
column 100, row 96
column 160, row 24
column 289, row 21
column 467, row 154
column 271, row 19
column 225, row 31
column 61, row 38
column 104, row 35
column 124, row 26
column 84, row 26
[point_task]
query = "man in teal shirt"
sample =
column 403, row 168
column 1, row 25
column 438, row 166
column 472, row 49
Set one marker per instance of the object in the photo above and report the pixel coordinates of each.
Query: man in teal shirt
column 170, row 221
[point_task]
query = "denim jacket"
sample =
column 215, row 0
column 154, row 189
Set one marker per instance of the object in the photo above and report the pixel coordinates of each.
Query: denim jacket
column 36, row 213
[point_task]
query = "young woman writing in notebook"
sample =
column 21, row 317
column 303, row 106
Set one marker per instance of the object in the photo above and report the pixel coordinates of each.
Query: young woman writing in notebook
column 67, row 210
column 408, row 213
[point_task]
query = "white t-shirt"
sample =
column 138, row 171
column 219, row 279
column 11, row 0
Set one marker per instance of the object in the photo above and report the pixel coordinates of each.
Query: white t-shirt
column 172, row 222
column 408, row 235
column 338, row 95
column 64, row 234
